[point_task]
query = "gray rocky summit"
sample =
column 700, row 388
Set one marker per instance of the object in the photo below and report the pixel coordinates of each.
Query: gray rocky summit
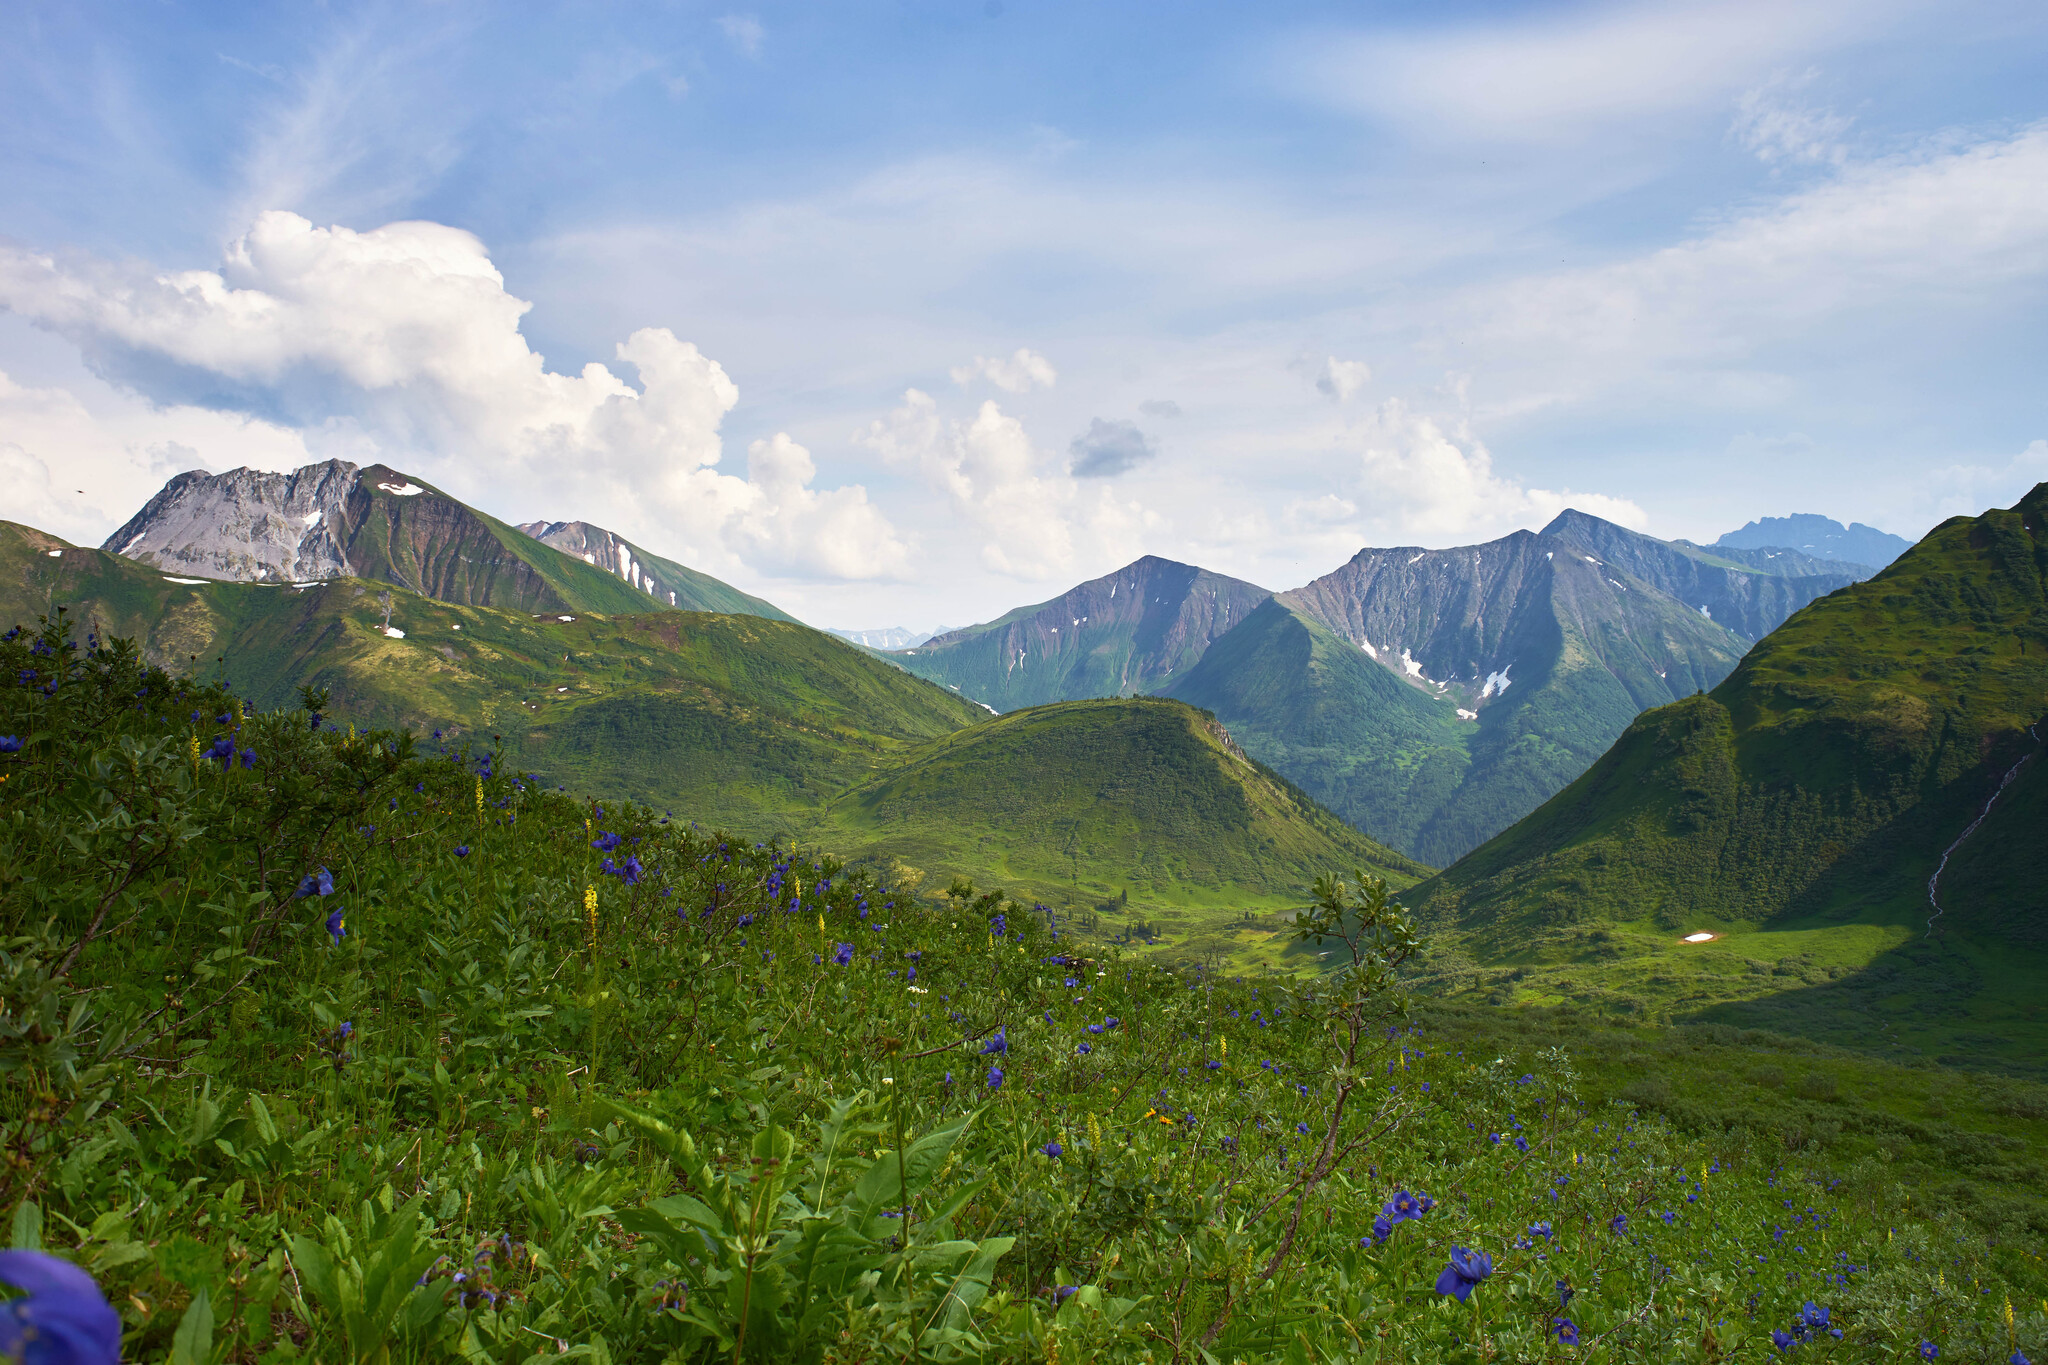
column 247, row 525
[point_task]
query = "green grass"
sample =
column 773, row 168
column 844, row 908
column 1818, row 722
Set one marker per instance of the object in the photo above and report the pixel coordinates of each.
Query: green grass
column 666, row 1117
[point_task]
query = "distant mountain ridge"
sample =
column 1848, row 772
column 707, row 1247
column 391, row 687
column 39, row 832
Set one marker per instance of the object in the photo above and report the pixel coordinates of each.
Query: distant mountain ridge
column 1433, row 697
column 1750, row 591
column 668, row 582
column 1120, row 635
column 336, row 519
column 889, row 637
column 1819, row 536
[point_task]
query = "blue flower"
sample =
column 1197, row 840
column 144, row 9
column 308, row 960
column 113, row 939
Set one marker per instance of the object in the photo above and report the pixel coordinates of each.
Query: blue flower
column 1465, row 1271
column 1053, row 1150
column 997, row 1044
column 995, row 1078
column 2018, row 1358
column 319, row 883
column 462, row 850
column 1619, row 1223
column 10, row 744
column 1060, row 1294
column 1082, row 1050
column 1542, row 1230
column 1783, row 1341
column 1404, row 1206
column 1565, row 1331
column 1382, row 1229
column 336, row 925
column 1929, row 1351
column 248, row 758
column 63, row 1319
column 842, row 954
column 605, row 841
column 1521, row 1143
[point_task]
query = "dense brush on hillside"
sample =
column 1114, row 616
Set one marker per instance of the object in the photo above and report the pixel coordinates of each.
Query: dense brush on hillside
column 342, row 1046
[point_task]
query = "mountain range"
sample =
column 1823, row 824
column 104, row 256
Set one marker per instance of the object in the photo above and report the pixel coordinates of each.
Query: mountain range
column 1821, row 537
column 1117, row 636
column 888, row 637
column 747, row 723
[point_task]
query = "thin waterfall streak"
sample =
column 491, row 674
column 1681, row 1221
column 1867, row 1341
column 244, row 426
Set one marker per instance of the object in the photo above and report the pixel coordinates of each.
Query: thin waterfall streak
column 1934, row 882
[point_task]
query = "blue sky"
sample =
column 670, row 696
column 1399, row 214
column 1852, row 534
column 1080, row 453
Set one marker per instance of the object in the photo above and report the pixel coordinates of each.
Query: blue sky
column 908, row 313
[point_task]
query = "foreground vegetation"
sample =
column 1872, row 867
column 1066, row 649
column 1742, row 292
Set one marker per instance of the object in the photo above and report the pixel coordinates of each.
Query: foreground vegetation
column 331, row 1045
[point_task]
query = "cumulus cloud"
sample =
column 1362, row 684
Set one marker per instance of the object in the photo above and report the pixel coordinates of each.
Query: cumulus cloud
column 1032, row 517
column 403, row 344
column 1432, row 478
column 1107, row 449
column 1159, row 407
column 1024, row 370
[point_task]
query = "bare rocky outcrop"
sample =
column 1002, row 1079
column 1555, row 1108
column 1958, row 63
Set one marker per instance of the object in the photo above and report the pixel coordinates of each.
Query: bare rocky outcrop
column 246, row 525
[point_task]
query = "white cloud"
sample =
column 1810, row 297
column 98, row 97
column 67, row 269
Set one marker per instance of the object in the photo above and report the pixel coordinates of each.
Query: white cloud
column 1964, row 490
column 1929, row 228
column 744, row 32
column 1772, row 123
column 1109, row 448
column 402, row 343
column 1018, row 374
column 1432, row 478
column 1552, row 77
column 1339, row 379
column 1032, row 517
column 79, row 462
column 796, row 530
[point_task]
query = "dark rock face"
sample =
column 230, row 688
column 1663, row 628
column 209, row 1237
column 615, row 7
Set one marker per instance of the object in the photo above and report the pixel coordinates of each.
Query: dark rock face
column 1750, row 591
column 1116, row 636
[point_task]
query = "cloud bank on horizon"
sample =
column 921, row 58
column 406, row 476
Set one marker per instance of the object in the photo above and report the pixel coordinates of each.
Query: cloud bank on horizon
column 1306, row 285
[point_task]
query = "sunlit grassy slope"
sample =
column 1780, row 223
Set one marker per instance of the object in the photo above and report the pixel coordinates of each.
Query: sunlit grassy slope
column 1800, row 808
column 764, row 727
column 1078, row 803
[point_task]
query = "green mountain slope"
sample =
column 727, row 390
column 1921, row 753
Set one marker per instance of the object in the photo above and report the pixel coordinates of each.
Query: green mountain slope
column 1080, row 800
column 755, row 725
column 1801, row 807
column 1829, row 771
column 335, row 520
column 1434, row 697
column 1115, row 636
column 665, row 581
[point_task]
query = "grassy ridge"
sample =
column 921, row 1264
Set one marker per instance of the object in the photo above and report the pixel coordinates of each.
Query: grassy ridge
column 1799, row 809
column 1079, row 802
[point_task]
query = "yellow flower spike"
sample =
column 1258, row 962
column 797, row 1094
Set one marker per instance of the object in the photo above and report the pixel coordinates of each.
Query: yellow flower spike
column 590, row 913
column 1222, row 1047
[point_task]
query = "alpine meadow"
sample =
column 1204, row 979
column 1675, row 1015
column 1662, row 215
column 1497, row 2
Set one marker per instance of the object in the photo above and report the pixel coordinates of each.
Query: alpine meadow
column 1483, row 800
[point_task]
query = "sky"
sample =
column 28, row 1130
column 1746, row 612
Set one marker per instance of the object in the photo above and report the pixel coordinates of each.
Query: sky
column 909, row 313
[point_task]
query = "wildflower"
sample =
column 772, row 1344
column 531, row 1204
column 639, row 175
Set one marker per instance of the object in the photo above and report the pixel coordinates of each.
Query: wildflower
column 10, row 744
column 842, row 954
column 605, row 841
column 248, row 758
column 999, row 1043
column 1619, row 1223
column 1301, row 1128
column 1382, row 1229
column 62, row 1318
column 1929, row 1351
column 1404, row 1206
column 1061, row 1294
column 995, row 1078
column 462, row 850
column 1053, row 1150
column 319, row 883
column 1783, row 1341
column 1082, row 1050
column 1465, row 1271
column 1542, row 1230
column 1521, row 1143
column 336, row 925
column 1565, row 1330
